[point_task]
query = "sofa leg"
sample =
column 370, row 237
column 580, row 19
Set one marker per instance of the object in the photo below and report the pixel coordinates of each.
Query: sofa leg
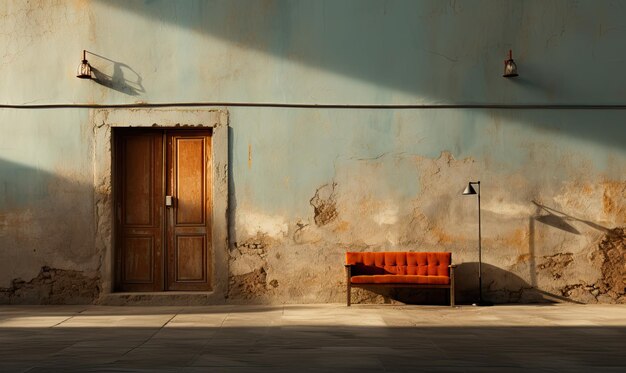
column 348, row 283
column 452, row 267
column 348, row 291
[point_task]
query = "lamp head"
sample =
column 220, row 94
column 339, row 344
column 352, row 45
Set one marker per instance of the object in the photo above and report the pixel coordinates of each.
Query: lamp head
column 510, row 68
column 469, row 190
column 84, row 69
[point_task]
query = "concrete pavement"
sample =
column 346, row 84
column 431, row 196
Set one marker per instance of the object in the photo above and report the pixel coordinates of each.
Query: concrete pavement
column 320, row 337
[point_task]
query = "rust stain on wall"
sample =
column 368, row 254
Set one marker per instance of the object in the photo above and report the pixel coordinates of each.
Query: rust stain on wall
column 442, row 236
column 517, row 239
column 249, row 156
column 342, row 226
column 613, row 199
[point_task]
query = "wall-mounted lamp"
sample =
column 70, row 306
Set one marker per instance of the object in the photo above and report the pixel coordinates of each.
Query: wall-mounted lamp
column 510, row 68
column 84, row 69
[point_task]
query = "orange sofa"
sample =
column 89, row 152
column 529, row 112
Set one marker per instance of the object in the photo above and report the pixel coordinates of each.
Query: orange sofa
column 400, row 269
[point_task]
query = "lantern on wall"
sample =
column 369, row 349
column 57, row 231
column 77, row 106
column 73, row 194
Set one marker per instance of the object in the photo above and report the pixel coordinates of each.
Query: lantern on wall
column 510, row 68
column 84, row 69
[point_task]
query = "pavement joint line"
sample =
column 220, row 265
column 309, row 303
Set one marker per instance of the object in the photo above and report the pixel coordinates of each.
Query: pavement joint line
column 69, row 318
column 149, row 338
column 206, row 342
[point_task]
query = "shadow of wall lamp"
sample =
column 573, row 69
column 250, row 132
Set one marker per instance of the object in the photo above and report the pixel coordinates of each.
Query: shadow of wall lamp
column 510, row 68
column 84, row 69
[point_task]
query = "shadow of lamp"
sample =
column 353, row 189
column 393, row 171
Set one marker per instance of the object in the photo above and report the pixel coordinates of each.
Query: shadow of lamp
column 84, row 69
column 469, row 190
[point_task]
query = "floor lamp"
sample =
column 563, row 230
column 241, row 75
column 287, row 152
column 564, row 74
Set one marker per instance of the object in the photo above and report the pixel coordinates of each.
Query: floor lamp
column 471, row 191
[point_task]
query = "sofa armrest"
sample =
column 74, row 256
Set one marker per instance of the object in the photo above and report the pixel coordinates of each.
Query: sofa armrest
column 452, row 266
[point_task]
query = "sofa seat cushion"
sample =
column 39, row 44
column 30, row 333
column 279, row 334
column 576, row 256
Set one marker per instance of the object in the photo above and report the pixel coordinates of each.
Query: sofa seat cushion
column 401, row 279
column 400, row 263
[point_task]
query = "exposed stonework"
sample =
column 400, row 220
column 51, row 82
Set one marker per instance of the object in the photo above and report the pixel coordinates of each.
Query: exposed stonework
column 52, row 286
column 324, row 204
column 248, row 277
column 611, row 255
column 556, row 263
column 610, row 258
column 581, row 293
column 249, row 285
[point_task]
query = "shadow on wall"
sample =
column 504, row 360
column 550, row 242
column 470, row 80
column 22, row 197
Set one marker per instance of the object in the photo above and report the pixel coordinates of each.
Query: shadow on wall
column 431, row 53
column 46, row 238
column 510, row 288
column 608, row 256
column 232, row 195
column 559, row 219
column 120, row 76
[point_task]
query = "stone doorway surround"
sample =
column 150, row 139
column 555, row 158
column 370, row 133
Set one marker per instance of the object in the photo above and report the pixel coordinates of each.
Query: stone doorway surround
column 102, row 122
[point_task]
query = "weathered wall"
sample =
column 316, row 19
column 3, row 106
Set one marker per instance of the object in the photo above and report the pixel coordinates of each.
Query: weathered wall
column 308, row 184
column 374, row 180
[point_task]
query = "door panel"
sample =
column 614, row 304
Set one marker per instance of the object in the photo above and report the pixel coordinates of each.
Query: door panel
column 139, row 174
column 138, row 259
column 139, row 210
column 162, row 247
column 188, row 225
column 190, row 258
column 190, row 181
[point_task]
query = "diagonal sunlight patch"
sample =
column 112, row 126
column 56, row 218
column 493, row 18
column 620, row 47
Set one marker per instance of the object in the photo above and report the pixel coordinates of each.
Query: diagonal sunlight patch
column 328, row 316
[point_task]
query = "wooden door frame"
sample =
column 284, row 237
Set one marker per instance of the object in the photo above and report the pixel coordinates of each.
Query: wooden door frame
column 103, row 121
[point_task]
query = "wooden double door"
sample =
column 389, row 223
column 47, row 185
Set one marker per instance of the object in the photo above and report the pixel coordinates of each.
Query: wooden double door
column 162, row 209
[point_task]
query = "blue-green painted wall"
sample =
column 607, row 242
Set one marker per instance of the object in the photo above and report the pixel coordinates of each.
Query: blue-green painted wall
column 328, row 52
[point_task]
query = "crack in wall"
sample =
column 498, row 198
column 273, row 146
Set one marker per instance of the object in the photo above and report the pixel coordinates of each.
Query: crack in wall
column 324, row 204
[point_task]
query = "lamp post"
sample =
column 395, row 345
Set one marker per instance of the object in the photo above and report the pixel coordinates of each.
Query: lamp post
column 469, row 190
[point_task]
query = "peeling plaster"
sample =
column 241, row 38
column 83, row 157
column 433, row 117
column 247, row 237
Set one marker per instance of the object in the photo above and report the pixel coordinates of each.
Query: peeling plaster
column 324, row 204
column 253, row 223
column 53, row 286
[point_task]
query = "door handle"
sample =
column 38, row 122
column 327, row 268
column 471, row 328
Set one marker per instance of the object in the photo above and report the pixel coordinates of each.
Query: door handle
column 168, row 201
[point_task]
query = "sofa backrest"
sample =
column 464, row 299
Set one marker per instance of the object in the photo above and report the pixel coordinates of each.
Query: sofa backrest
column 400, row 263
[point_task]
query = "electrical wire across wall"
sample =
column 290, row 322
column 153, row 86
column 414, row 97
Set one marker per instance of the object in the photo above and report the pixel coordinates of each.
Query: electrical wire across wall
column 316, row 106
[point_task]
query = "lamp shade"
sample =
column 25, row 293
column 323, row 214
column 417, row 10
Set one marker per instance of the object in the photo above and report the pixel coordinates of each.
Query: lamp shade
column 469, row 190
column 510, row 68
column 84, row 70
